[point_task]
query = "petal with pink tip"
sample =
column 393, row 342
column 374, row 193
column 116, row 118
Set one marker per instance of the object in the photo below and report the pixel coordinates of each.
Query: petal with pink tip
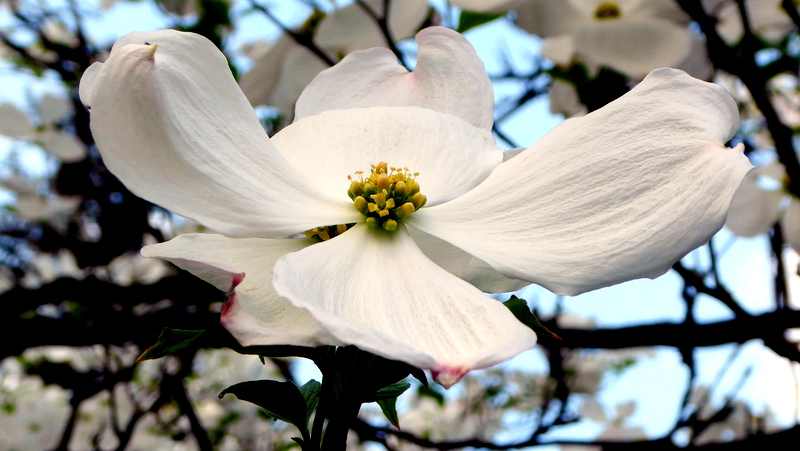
column 254, row 313
column 172, row 124
column 377, row 290
column 449, row 78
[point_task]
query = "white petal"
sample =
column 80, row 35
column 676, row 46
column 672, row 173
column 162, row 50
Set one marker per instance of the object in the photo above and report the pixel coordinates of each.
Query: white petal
column 259, row 82
column 697, row 63
column 66, row 146
column 87, row 82
column 380, row 293
column 463, row 265
column 14, row 123
column 493, row 6
column 450, row 155
column 300, row 68
column 449, row 77
column 564, row 99
column 754, row 210
column 664, row 9
column 242, row 267
column 791, row 224
column 280, row 74
column 559, row 49
column 547, row 18
column 618, row 194
column 53, row 108
column 172, row 124
column 350, row 28
column 633, row 47
column 767, row 20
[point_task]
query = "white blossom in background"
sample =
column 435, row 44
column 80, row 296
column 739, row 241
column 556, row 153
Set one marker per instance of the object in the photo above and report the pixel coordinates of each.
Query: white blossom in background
column 480, row 410
column 637, row 185
column 131, row 268
column 33, row 415
column 768, row 20
column 617, row 427
column 33, row 203
column 630, row 36
column 761, row 201
column 47, row 267
column 586, row 371
column 564, row 99
column 283, row 70
column 51, row 110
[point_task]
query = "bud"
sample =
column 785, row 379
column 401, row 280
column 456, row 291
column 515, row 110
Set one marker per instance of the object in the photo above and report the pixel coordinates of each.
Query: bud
column 419, row 200
column 400, row 189
column 356, row 189
column 383, row 182
column 360, row 204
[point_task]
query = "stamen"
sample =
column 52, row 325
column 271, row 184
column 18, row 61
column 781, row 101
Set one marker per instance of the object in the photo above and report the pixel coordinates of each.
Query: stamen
column 387, row 196
column 607, row 10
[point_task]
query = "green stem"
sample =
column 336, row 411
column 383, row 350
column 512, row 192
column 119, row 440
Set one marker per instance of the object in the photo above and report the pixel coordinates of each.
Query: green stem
column 339, row 422
column 319, row 420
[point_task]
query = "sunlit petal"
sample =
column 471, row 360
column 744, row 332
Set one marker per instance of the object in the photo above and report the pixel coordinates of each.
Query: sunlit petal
column 380, row 293
column 171, row 123
column 449, row 78
column 618, row 194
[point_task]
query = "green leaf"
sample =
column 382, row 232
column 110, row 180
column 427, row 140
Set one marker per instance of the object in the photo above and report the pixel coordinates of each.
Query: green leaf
column 388, row 392
column 471, row 19
column 420, row 376
column 281, row 400
column 436, row 395
column 310, row 391
column 172, row 340
column 520, row 309
column 389, row 408
column 169, row 342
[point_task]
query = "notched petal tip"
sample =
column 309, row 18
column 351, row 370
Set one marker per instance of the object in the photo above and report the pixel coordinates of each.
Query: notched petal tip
column 447, row 376
column 227, row 308
column 152, row 50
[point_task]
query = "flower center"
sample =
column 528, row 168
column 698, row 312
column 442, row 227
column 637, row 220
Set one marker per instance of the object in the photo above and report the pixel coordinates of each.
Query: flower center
column 387, row 196
column 607, row 10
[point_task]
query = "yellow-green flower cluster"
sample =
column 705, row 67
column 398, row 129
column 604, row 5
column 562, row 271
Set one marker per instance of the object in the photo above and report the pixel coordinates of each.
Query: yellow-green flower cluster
column 387, row 196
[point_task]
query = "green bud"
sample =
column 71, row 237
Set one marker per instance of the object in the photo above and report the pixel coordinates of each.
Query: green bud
column 400, row 189
column 356, row 189
column 418, row 200
column 360, row 204
column 390, row 225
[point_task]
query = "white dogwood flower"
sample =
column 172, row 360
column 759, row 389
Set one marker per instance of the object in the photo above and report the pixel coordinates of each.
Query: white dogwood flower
column 618, row 194
column 630, row 36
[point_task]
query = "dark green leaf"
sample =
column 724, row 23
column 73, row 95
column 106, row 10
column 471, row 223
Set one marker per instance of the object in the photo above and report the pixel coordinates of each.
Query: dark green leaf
column 389, row 408
column 173, row 340
column 390, row 391
column 281, row 400
column 420, row 376
column 219, row 337
column 520, row 309
column 470, row 19
column 310, row 391
column 169, row 342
